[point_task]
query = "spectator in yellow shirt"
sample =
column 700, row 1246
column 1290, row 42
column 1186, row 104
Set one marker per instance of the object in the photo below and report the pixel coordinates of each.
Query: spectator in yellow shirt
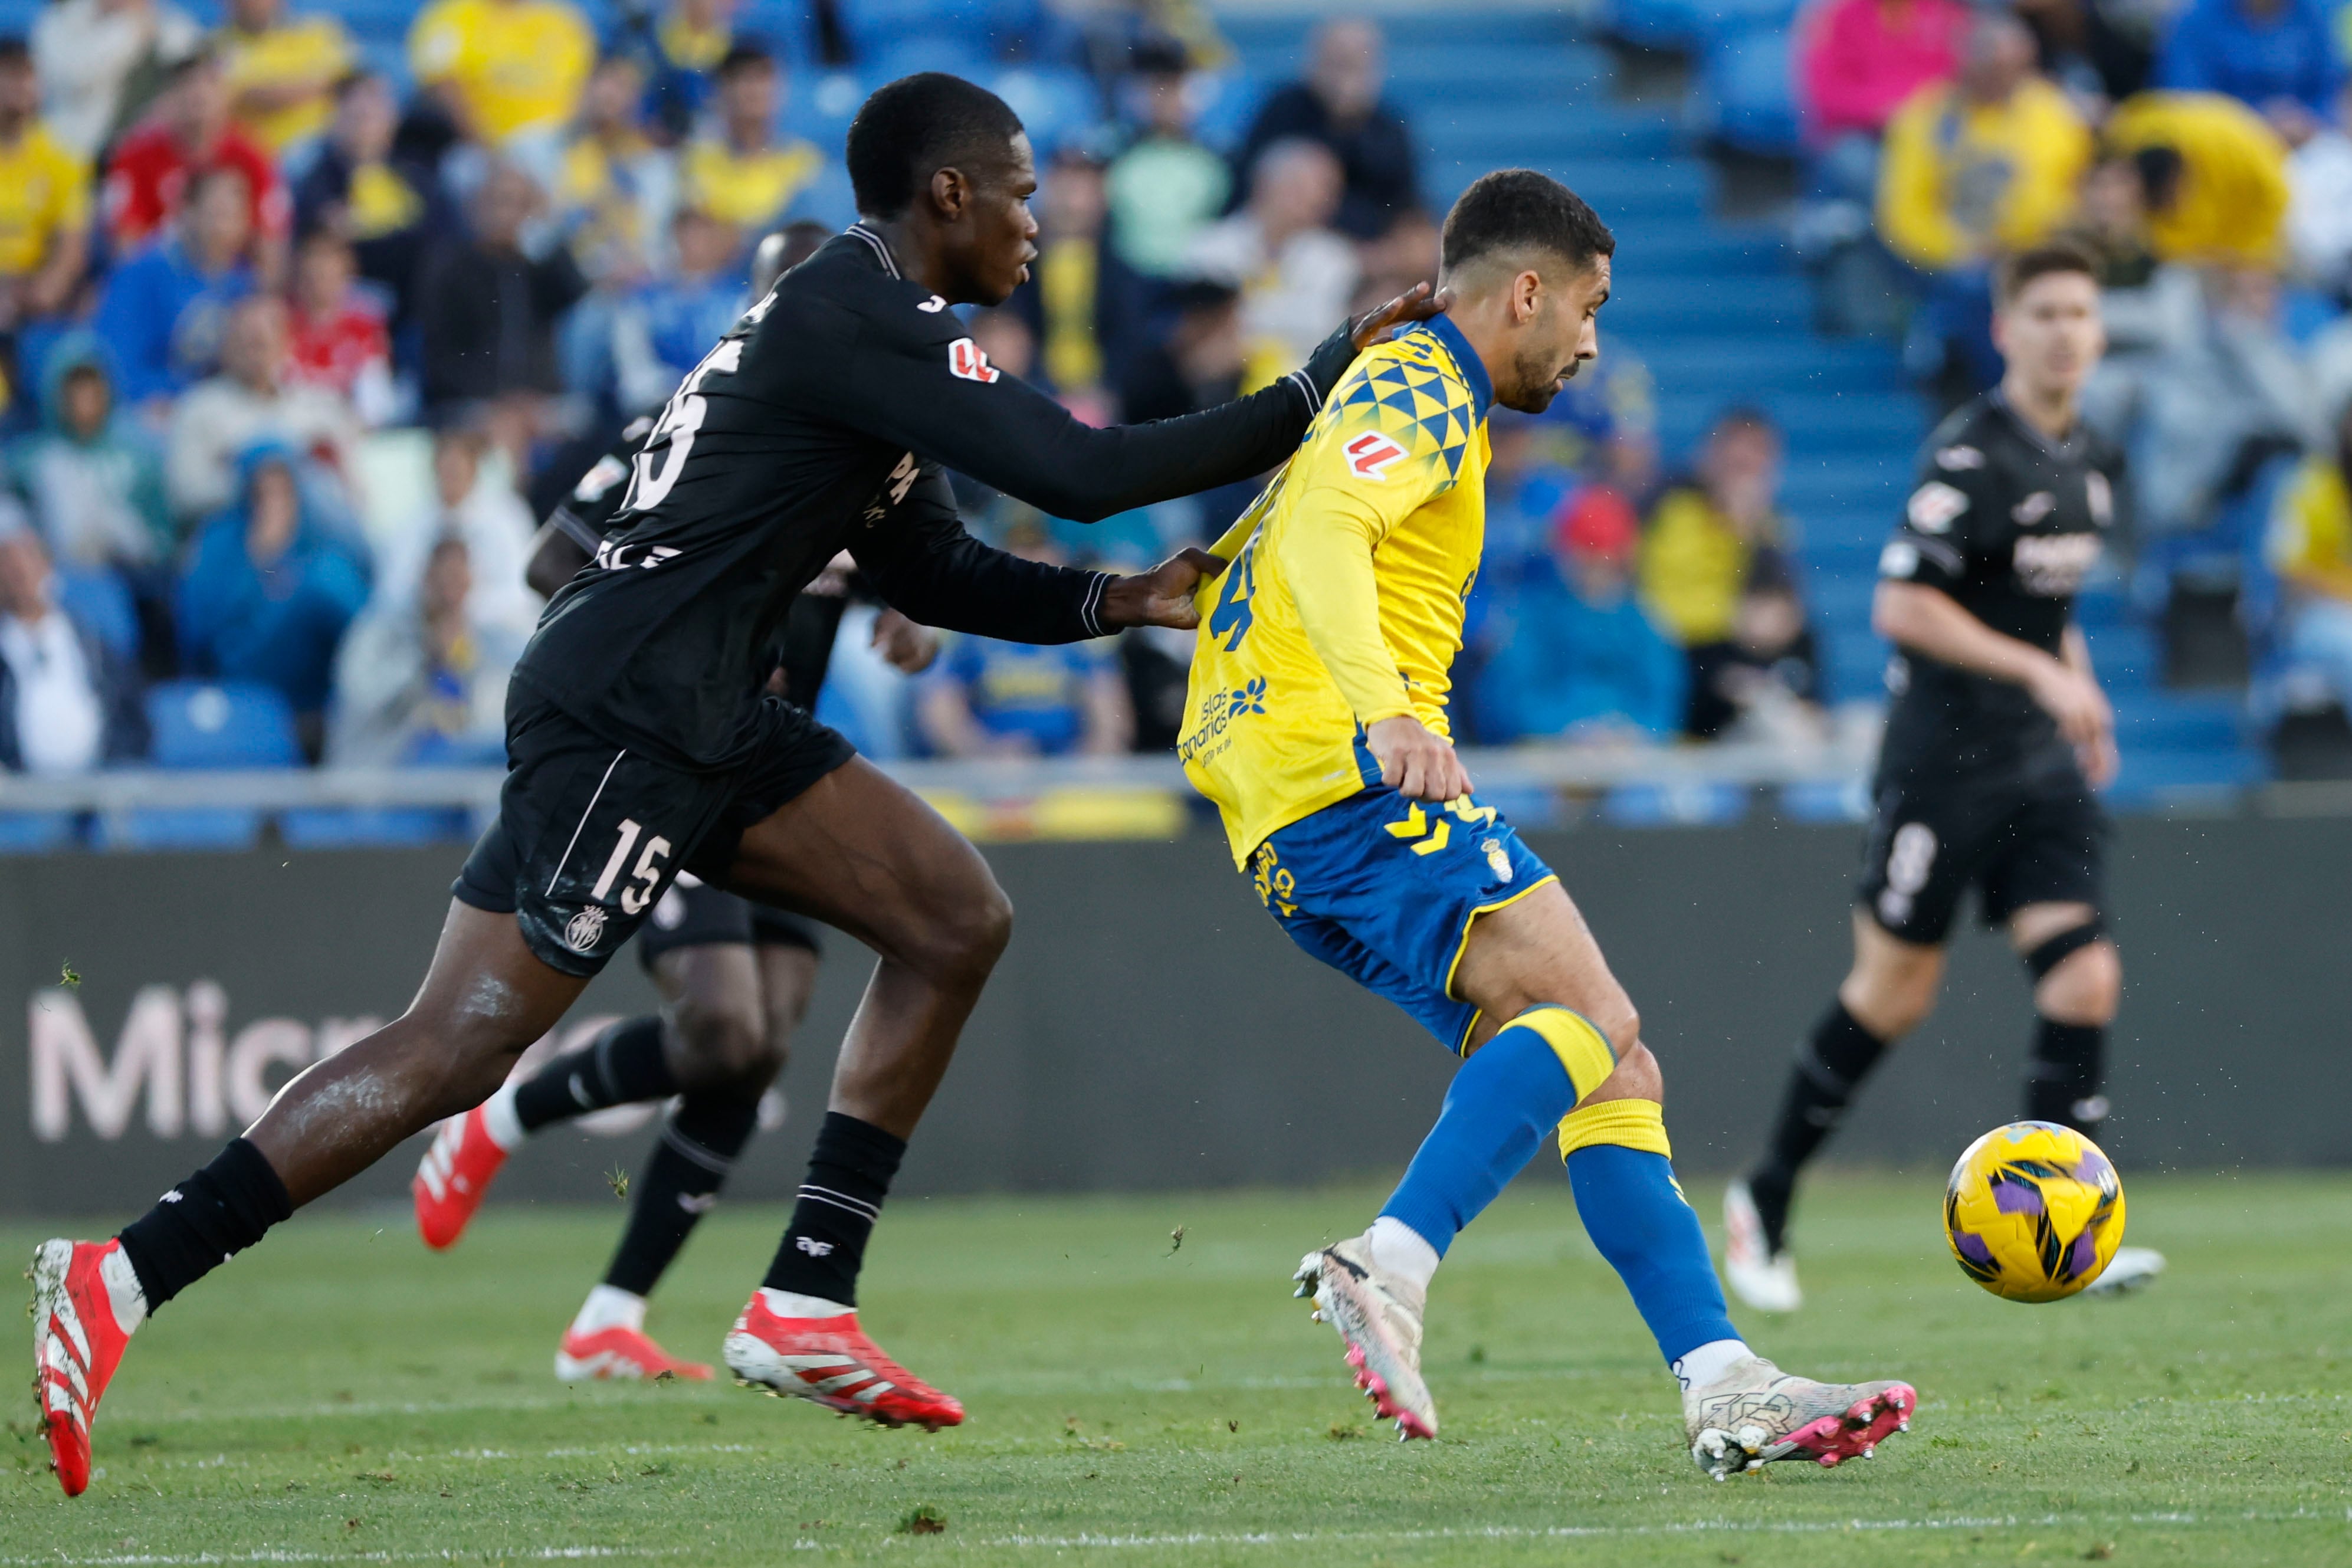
column 282, row 71
column 747, row 175
column 2216, row 174
column 503, row 67
column 683, row 50
column 44, row 202
column 1985, row 163
column 615, row 188
column 1704, row 534
column 2311, row 549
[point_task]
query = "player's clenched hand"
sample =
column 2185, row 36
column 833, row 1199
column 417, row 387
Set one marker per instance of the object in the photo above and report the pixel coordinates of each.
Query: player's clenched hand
column 907, row 647
column 1417, row 303
column 1162, row 596
column 1418, row 763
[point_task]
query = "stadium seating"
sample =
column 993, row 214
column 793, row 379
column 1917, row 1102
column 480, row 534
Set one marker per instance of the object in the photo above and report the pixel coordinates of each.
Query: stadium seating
column 202, row 724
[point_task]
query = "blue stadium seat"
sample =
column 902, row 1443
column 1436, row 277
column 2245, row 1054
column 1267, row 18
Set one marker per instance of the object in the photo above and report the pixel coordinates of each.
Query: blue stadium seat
column 38, row 832
column 1056, row 104
column 1681, row 803
column 346, row 828
column 221, row 724
column 1745, row 97
column 180, row 827
column 1826, row 800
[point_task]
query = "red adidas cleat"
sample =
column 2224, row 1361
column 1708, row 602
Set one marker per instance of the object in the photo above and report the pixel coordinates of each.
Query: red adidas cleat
column 78, row 1342
column 832, row 1363
column 619, row 1355
column 454, row 1177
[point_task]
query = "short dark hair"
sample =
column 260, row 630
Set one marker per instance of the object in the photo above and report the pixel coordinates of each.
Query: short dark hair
column 745, row 54
column 916, row 126
column 1520, row 210
column 15, row 51
column 2010, row 279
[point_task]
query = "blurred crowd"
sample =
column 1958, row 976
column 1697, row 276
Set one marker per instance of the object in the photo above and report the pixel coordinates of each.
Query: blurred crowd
column 2202, row 153
column 298, row 342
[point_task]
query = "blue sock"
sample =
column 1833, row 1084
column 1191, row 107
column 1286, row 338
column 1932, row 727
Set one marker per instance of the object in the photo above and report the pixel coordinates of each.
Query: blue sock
column 1636, row 1217
column 1503, row 1104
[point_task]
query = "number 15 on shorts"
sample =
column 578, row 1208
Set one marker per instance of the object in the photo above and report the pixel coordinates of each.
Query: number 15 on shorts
column 644, row 881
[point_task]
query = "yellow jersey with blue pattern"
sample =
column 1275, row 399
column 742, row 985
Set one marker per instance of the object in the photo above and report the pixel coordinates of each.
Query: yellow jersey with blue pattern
column 1342, row 602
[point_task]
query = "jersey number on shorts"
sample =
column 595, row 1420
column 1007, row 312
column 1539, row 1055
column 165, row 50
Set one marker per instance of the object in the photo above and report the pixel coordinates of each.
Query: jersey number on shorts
column 663, row 457
column 644, row 879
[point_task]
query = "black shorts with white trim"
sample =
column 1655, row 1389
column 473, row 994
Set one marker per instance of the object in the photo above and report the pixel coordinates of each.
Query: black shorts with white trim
column 590, row 835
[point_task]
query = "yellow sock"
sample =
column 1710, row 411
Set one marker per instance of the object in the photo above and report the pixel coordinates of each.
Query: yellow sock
column 1632, row 1123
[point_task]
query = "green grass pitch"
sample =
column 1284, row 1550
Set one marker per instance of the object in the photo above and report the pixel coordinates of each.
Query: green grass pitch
column 341, row 1395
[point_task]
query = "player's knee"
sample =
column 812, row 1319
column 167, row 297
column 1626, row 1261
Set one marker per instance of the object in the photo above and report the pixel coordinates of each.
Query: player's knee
column 1638, row 1074
column 725, row 1043
column 1890, row 1001
column 1623, row 1024
column 970, row 933
column 2085, row 987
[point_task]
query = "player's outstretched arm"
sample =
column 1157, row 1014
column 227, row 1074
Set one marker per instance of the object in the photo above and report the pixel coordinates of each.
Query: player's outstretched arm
column 924, row 565
column 946, row 404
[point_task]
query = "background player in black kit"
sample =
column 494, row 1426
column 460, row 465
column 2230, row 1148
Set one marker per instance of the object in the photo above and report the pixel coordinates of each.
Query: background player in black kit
column 641, row 741
column 735, row 978
column 1996, row 736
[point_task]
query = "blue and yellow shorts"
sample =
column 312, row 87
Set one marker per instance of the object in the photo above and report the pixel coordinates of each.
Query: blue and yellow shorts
column 1383, row 889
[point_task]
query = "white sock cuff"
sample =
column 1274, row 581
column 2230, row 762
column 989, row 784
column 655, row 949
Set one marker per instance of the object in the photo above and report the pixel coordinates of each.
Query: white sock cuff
column 500, row 1120
column 1703, row 1366
column 610, row 1307
column 792, row 1304
column 1398, row 1248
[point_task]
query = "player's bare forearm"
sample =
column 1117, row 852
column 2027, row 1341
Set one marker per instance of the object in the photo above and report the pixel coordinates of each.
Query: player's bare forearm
column 1926, row 620
column 2076, row 649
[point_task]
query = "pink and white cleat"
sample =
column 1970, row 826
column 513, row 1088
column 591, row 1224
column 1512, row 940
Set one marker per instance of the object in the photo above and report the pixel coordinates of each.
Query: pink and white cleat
column 86, row 1302
column 830, row 1362
column 454, row 1177
column 619, row 1355
column 1755, row 1413
column 1377, row 1317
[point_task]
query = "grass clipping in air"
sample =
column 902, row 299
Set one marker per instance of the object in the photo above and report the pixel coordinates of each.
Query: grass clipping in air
column 327, row 1399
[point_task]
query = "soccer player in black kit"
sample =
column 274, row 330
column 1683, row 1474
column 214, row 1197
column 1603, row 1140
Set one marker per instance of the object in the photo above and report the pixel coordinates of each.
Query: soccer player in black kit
column 641, row 741
column 735, row 978
column 1996, row 737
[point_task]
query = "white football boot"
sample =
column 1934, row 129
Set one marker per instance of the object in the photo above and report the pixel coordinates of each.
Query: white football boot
column 1377, row 1316
column 1765, row 1280
column 2131, row 1267
column 1755, row 1413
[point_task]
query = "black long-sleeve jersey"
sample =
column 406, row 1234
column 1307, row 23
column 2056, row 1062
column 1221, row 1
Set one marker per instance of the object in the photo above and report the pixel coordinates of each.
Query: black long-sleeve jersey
column 817, row 425
column 2008, row 524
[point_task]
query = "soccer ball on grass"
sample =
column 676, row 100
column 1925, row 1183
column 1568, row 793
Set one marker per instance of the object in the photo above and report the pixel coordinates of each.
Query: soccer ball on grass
column 2034, row 1211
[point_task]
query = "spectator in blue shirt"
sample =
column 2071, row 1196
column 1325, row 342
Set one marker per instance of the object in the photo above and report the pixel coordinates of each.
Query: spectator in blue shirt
column 1569, row 653
column 668, row 324
column 162, row 310
column 989, row 698
column 2270, row 52
column 269, row 592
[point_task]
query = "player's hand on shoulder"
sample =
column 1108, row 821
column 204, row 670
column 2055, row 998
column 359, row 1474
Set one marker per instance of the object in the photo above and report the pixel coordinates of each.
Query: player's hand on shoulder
column 1416, row 762
column 1162, row 596
column 1418, row 303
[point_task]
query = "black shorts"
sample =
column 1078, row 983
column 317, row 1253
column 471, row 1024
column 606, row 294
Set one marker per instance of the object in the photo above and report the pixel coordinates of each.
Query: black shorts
column 695, row 914
column 2018, row 843
column 590, row 835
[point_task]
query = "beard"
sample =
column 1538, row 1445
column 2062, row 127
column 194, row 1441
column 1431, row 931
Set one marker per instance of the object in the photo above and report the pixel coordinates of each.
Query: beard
column 1536, row 378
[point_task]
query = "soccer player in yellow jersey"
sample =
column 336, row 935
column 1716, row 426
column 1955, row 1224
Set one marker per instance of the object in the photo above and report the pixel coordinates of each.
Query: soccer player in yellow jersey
column 1317, row 722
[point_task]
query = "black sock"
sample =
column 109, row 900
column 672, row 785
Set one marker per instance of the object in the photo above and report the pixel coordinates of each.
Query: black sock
column 849, row 1175
column 624, row 1065
column 2062, row 1086
column 1829, row 1068
column 697, row 1147
column 205, row 1220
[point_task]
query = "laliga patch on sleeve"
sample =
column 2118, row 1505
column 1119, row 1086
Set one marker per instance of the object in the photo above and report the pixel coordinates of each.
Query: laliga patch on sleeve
column 609, row 471
column 1933, row 505
column 1371, row 453
column 965, row 360
column 1899, row 559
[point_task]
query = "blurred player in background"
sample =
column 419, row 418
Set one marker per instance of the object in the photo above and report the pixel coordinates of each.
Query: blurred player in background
column 1997, row 736
column 1316, row 720
column 734, row 977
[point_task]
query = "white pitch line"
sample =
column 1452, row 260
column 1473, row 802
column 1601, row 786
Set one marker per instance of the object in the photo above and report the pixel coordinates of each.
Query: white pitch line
column 205, row 1559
